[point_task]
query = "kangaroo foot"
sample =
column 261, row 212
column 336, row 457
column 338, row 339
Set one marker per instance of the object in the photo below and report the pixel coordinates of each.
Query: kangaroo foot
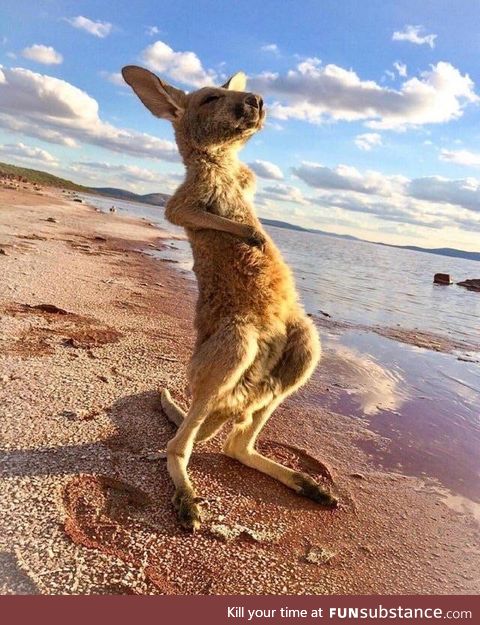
column 308, row 487
column 188, row 510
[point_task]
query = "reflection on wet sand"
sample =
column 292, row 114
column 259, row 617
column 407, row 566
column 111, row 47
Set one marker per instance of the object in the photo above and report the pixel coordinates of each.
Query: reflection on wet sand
column 424, row 405
column 460, row 504
column 373, row 387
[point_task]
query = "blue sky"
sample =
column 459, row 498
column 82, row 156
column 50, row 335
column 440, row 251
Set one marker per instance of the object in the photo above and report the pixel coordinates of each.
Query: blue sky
column 373, row 107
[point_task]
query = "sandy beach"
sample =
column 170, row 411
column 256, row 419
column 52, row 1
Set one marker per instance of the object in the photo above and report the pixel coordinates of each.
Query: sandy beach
column 91, row 328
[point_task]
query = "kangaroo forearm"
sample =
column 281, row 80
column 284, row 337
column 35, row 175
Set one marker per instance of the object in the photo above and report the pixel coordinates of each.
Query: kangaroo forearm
column 208, row 221
column 196, row 219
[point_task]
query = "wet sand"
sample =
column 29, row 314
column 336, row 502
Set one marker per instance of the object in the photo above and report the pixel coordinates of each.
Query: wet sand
column 423, row 405
column 417, row 338
column 85, row 509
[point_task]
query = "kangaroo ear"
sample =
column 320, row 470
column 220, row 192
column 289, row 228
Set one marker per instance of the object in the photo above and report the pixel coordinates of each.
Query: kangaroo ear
column 160, row 98
column 237, row 82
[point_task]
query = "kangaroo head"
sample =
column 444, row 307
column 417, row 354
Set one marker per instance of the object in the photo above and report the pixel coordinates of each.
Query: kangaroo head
column 210, row 119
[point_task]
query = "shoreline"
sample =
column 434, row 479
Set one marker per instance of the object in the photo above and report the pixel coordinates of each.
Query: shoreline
column 86, row 511
column 410, row 335
column 414, row 337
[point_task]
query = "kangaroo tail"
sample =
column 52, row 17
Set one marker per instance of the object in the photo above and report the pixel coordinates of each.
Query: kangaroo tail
column 175, row 414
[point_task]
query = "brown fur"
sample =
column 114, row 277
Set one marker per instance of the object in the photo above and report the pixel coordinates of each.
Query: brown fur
column 255, row 345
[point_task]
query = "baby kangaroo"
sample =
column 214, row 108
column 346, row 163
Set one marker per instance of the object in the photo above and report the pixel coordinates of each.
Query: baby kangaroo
column 255, row 345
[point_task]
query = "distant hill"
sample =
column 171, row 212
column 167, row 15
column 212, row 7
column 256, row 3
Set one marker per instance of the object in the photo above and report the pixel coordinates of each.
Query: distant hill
column 160, row 199
column 442, row 251
column 41, row 177
column 157, row 199
column 121, row 194
column 348, row 237
column 281, row 224
column 285, row 224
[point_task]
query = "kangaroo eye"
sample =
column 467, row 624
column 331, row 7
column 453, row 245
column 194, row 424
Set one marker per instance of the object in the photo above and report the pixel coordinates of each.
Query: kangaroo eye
column 210, row 98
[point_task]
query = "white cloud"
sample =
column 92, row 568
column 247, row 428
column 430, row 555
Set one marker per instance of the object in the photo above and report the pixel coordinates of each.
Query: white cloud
column 268, row 170
column 281, row 192
column 101, row 173
column 461, row 157
column 115, row 78
column 24, row 152
column 129, row 172
column 17, row 126
column 26, row 92
column 347, row 178
column 416, row 35
column 430, row 202
column 398, row 209
column 98, row 29
column 183, row 67
column 274, row 125
column 368, row 140
column 464, row 192
column 401, row 68
column 271, row 47
column 151, row 31
column 317, row 93
column 42, row 54
column 56, row 111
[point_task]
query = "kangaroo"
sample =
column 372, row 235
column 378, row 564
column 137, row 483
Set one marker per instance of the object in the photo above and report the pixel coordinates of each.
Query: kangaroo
column 254, row 344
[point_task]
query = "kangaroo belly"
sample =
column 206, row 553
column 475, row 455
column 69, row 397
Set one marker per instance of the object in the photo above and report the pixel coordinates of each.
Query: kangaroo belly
column 236, row 279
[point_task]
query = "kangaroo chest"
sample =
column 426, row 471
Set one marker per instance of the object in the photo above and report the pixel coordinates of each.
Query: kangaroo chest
column 232, row 204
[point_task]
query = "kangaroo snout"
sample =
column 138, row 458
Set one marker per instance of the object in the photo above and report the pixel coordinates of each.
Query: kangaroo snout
column 254, row 100
column 250, row 108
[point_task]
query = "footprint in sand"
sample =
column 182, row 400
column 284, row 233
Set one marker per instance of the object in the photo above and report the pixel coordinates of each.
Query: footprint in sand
column 42, row 327
column 101, row 513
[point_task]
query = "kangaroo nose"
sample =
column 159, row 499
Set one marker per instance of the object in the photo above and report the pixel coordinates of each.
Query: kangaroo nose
column 254, row 100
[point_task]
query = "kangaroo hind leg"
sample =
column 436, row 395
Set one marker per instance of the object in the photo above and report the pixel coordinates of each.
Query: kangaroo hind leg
column 212, row 424
column 296, row 364
column 214, row 371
